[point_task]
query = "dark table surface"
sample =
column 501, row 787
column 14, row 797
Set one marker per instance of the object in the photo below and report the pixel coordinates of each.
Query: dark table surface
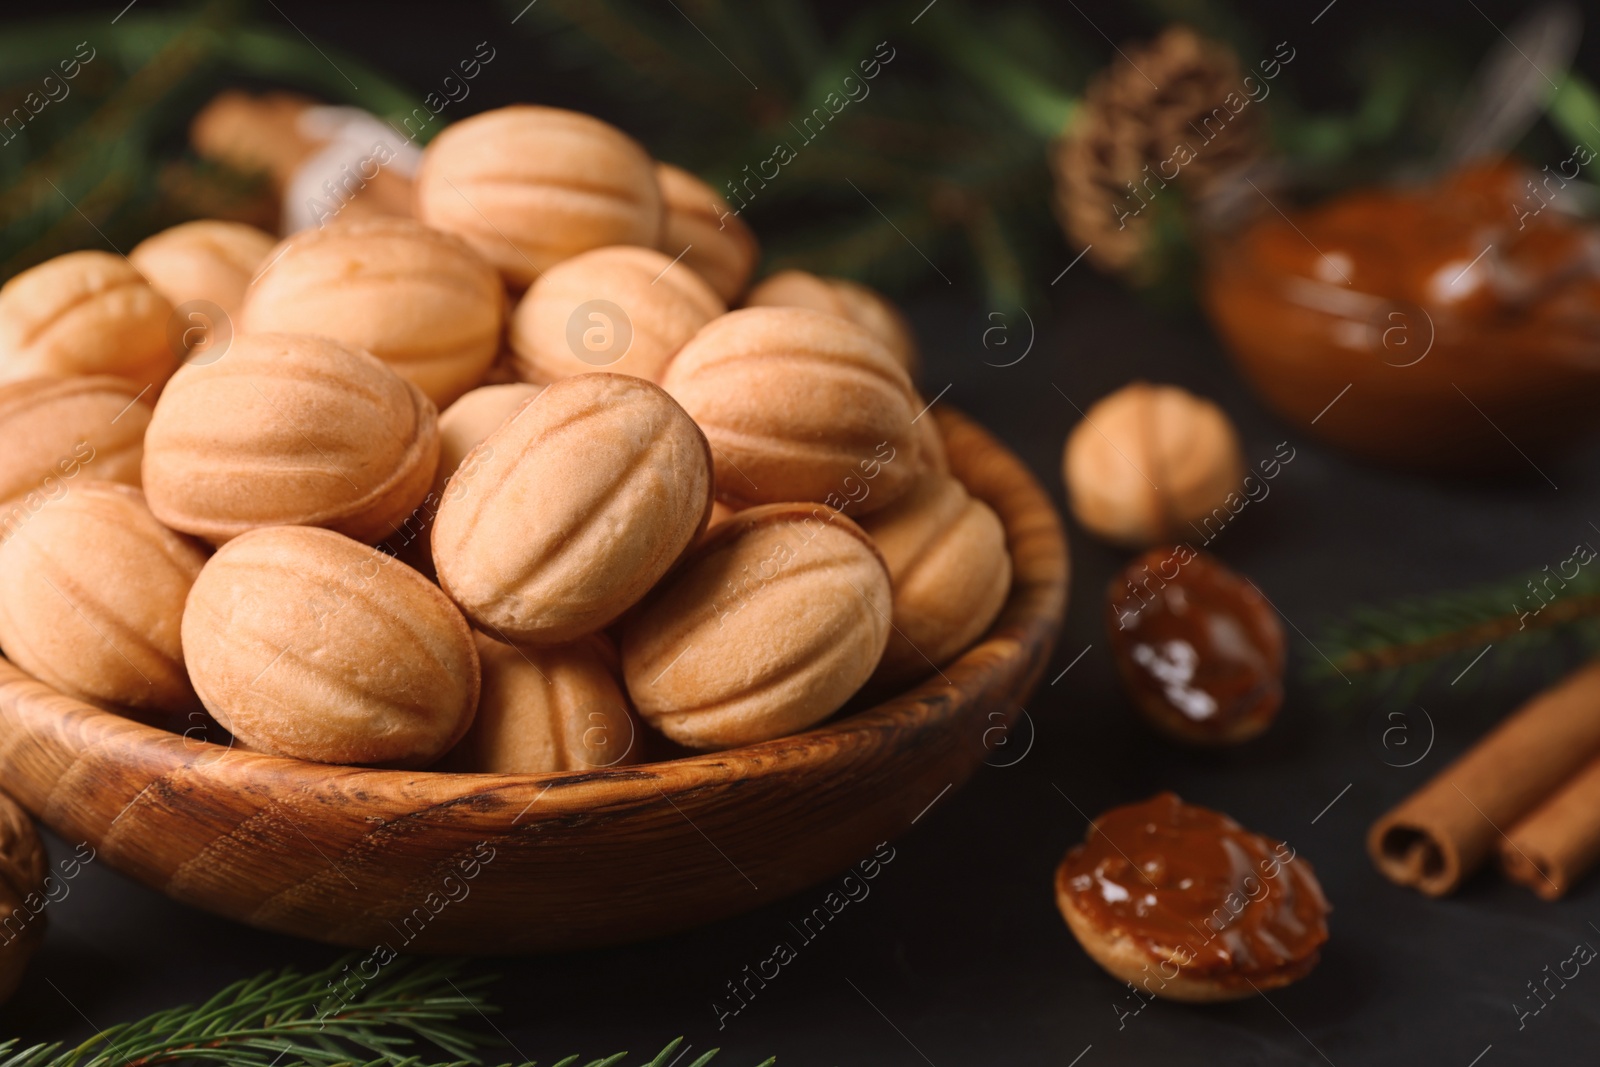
column 958, row 955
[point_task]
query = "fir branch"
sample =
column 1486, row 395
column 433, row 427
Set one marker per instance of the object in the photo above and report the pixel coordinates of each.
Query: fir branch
column 1398, row 648
column 950, row 167
column 328, row 1017
column 1574, row 108
column 335, row 1017
column 655, row 52
column 88, row 171
column 1030, row 99
column 1003, row 270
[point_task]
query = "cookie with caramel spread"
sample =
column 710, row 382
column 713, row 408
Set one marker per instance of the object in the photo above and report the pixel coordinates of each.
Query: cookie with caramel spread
column 1183, row 903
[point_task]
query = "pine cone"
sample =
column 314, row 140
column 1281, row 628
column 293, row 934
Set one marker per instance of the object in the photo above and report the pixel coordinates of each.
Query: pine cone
column 1150, row 124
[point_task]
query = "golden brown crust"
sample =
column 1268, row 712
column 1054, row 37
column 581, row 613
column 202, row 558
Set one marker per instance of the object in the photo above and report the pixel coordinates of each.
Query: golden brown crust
column 799, row 405
column 701, row 226
column 863, row 306
column 290, row 429
column 467, row 422
column 1146, row 461
column 305, row 643
column 548, row 709
column 92, row 592
column 462, row 427
column 208, row 259
column 947, row 559
column 795, row 808
column 620, row 309
column 720, row 513
column 59, row 429
column 573, row 509
column 85, row 313
column 530, row 186
column 930, row 445
column 770, row 625
column 422, row 301
column 737, row 523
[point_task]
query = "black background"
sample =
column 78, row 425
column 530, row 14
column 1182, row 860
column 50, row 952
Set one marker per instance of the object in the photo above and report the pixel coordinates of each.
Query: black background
column 958, row 955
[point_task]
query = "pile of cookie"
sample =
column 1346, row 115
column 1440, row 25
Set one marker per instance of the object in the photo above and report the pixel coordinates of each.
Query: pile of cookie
column 490, row 488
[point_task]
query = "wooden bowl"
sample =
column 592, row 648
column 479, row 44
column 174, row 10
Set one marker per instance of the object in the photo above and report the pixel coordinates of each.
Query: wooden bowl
column 503, row 863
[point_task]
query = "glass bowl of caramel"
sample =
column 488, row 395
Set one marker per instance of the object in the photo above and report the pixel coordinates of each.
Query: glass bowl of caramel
column 1446, row 325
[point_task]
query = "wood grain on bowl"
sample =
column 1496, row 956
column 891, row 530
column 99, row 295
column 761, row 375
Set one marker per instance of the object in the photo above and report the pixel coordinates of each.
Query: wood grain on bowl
column 504, row 863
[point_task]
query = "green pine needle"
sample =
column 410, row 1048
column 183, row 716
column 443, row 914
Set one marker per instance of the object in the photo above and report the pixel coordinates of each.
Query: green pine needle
column 335, row 1017
column 87, row 171
column 1391, row 652
column 328, row 1017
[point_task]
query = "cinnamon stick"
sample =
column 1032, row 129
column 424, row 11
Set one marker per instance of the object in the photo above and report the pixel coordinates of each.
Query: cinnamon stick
column 1556, row 844
column 1445, row 830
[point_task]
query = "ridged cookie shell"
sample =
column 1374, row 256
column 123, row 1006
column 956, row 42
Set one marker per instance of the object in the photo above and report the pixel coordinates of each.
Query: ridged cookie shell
column 422, row 301
column 947, row 557
column 713, row 664
column 208, row 259
column 85, row 313
column 568, row 514
column 799, row 405
column 48, row 426
column 92, row 592
column 701, row 226
column 305, row 643
column 665, row 303
column 546, row 710
column 289, row 430
column 529, row 186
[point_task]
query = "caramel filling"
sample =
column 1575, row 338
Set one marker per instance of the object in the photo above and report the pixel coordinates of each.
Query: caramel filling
column 1198, row 893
